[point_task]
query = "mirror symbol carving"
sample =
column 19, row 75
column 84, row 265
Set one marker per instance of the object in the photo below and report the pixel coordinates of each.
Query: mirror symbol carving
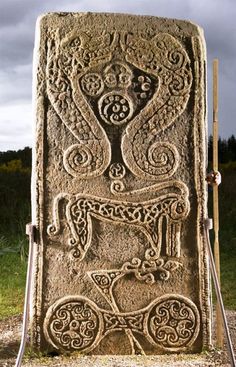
column 75, row 323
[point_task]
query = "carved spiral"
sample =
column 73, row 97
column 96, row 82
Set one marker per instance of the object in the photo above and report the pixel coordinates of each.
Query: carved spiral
column 162, row 159
column 176, row 58
column 78, row 160
column 180, row 83
column 117, row 186
column 52, row 230
column 73, row 323
column 102, row 280
column 173, row 323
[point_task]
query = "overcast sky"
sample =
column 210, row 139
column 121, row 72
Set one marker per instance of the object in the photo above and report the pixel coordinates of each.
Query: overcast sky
column 17, row 27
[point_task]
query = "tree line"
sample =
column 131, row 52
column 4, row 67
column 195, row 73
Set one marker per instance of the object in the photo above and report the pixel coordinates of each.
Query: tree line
column 226, row 147
column 15, row 178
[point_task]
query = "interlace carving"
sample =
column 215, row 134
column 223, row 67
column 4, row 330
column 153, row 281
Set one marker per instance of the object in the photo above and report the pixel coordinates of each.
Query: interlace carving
column 172, row 207
column 127, row 88
column 91, row 155
column 75, row 323
column 145, row 89
column 172, row 323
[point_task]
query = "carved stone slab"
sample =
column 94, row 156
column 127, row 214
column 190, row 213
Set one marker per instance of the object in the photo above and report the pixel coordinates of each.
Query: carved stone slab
column 119, row 187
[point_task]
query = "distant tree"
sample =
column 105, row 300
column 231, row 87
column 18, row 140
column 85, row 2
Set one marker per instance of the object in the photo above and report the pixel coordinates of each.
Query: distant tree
column 14, row 166
column 15, row 169
column 226, row 149
column 232, row 148
column 23, row 154
column 223, row 151
column 210, row 148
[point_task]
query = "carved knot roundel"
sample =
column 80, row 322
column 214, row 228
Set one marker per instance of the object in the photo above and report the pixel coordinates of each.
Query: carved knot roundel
column 73, row 323
column 173, row 323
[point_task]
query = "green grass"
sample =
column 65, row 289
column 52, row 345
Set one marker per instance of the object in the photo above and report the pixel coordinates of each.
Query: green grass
column 227, row 234
column 228, row 278
column 13, row 265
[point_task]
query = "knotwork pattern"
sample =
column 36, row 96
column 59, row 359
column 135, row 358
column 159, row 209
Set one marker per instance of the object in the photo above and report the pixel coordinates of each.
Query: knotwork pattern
column 145, row 89
column 75, row 323
column 173, row 323
column 172, row 207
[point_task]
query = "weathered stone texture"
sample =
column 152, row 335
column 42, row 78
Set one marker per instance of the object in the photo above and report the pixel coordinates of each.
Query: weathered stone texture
column 119, row 192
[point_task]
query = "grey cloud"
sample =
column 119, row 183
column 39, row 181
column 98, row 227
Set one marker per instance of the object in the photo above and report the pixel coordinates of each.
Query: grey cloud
column 17, row 85
column 17, row 28
column 13, row 12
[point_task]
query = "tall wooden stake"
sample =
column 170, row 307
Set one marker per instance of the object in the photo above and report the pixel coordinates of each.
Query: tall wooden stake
column 219, row 329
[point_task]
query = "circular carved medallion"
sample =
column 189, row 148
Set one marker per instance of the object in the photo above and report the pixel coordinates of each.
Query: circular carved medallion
column 173, row 323
column 115, row 108
column 92, row 84
column 73, row 323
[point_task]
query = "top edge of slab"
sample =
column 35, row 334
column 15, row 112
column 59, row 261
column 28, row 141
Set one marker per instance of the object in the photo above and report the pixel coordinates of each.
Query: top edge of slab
column 192, row 27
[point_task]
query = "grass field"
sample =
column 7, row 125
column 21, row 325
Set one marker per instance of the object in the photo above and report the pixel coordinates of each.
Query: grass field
column 13, row 265
column 227, row 207
column 13, row 249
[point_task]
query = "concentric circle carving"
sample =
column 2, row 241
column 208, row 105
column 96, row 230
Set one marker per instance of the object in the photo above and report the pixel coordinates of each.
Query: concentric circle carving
column 173, row 323
column 73, row 323
column 115, row 108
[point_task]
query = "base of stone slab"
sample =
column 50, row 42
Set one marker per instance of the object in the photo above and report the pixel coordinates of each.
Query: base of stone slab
column 177, row 360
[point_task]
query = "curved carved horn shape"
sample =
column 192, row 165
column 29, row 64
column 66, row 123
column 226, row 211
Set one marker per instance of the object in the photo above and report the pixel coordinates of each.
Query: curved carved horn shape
column 164, row 57
column 91, row 155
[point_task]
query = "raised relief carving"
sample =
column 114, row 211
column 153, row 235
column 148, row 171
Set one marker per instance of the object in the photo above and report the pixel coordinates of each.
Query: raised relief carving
column 173, row 322
column 117, row 172
column 173, row 207
column 117, row 94
column 75, row 323
column 164, row 57
column 91, row 156
column 143, row 84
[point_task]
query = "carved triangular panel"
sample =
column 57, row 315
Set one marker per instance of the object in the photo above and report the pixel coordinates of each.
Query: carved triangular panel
column 119, row 194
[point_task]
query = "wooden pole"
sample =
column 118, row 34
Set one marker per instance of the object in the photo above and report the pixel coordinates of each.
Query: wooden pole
column 219, row 329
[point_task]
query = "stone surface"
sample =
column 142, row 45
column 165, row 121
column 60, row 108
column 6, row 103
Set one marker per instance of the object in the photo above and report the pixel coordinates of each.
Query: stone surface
column 119, row 188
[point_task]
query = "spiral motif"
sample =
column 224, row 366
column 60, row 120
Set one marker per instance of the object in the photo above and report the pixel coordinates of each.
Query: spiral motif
column 162, row 159
column 117, row 171
column 115, row 108
column 52, row 230
column 176, row 58
column 173, row 323
column 117, row 186
column 73, row 324
column 180, row 83
column 78, row 160
column 92, row 84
